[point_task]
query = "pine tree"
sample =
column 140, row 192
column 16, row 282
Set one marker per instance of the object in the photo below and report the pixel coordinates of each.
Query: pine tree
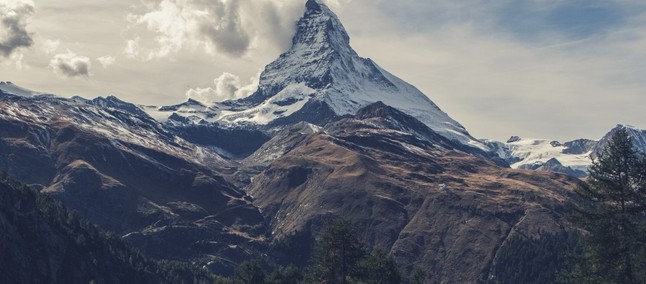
column 611, row 211
column 380, row 268
column 338, row 254
column 250, row 272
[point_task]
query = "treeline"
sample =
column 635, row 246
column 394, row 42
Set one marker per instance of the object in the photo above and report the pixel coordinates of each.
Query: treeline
column 44, row 242
column 339, row 257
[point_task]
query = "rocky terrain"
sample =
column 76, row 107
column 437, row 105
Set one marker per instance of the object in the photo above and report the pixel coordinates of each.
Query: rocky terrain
column 427, row 203
column 125, row 172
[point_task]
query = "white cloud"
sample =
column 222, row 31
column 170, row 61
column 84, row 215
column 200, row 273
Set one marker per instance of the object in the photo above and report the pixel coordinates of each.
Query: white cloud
column 179, row 23
column 229, row 27
column 50, row 46
column 13, row 25
column 132, row 48
column 226, row 87
column 106, row 61
column 71, row 65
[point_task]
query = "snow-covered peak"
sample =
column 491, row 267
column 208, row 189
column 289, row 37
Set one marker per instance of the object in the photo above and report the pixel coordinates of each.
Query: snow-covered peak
column 116, row 103
column 529, row 153
column 319, row 47
column 109, row 118
column 320, row 28
column 321, row 70
column 13, row 89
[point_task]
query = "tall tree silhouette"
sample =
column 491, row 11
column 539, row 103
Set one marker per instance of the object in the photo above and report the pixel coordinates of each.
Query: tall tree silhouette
column 611, row 212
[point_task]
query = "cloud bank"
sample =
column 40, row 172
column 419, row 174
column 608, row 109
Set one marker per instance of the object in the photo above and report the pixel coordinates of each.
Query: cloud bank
column 13, row 25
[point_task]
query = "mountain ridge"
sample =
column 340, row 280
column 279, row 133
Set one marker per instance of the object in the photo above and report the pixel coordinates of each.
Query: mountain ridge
column 572, row 157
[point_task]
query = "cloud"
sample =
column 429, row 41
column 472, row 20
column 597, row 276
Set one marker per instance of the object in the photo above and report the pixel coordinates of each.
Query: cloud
column 230, row 27
column 227, row 87
column 227, row 33
column 13, row 25
column 71, row 65
column 177, row 23
column 50, row 46
column 132, row 48
column 106, row 61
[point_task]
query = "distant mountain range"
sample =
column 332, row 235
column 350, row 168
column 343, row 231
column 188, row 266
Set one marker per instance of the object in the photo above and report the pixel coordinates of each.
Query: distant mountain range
column 328, row 134
column 572, row 158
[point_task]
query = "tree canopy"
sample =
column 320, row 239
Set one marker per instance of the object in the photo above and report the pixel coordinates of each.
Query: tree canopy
column 611, row 212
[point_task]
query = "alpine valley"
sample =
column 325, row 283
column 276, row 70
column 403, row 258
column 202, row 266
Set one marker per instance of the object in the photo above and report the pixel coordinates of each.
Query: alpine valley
column 328, row 134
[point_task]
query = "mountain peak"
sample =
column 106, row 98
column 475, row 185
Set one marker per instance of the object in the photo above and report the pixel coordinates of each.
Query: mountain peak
column 314, row 5
column 319, row 28
column 11, row 88
column 322, row 71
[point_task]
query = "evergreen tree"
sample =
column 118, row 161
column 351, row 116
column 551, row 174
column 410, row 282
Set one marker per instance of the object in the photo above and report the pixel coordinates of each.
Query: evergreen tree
column 611, row 211
column 380, row 268
column 337, row 255
column 250, row 272
column 286, row 275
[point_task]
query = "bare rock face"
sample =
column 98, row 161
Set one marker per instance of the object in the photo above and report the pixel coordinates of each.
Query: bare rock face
column 417, row 196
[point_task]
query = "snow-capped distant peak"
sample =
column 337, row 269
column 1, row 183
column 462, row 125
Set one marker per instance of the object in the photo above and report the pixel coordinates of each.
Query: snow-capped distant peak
column 529, row 153
column 11, row 88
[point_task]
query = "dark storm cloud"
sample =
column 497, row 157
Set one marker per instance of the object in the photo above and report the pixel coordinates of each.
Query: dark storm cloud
column 13, row 26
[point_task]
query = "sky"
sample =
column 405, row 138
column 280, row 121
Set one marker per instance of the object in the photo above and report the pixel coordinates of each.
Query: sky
column 554, row 69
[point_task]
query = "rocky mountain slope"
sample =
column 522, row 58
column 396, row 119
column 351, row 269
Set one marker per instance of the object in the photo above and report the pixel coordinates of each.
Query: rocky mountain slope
column 124, row 171
column 419, row 197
